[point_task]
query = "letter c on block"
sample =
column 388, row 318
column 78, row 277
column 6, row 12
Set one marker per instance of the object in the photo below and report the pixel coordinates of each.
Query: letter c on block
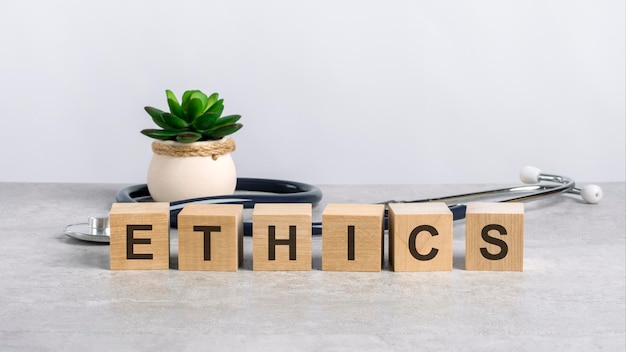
column 413, row 237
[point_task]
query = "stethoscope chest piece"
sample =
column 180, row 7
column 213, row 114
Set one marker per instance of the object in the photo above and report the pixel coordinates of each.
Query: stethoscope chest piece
column 95, row 230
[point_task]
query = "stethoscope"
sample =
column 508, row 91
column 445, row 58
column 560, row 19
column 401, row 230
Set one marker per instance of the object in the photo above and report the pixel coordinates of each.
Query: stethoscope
column 250, row 191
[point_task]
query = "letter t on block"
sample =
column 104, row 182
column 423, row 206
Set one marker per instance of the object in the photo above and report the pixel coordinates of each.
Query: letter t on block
column 140, row 236
column 494, row 236
column 281, row 237
column 210, row 237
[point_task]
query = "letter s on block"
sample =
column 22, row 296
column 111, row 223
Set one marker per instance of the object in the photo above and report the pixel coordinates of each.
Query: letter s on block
column 504, row 248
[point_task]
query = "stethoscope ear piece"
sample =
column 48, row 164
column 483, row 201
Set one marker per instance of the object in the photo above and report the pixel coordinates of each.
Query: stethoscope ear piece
column 529, row 174
column 592, row 194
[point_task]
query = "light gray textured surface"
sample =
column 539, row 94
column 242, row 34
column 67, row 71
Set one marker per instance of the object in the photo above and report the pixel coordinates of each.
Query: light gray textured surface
column 57, row 293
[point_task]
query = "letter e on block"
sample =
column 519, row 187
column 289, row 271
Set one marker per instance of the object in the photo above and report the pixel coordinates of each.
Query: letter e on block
column 210, row 237
column 494, row 236
column 281, row 237
column 140, row 236
column 352, row 237
column 420, row 236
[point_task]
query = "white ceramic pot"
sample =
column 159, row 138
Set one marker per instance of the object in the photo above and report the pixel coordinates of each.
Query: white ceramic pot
column 172, row 178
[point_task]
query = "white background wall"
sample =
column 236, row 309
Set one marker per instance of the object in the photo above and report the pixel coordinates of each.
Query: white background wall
column 357, row 92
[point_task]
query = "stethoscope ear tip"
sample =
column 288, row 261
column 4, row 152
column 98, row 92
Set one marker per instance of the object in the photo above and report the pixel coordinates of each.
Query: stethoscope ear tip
column 592, row 194
column 529, row 174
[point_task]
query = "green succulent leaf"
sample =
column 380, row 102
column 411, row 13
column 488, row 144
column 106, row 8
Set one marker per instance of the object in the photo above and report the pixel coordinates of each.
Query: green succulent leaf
column 154, row 112
column 188, row 137
column 227, row 120
column 187, row 94
column 195, row 108
column 185, row 99
column 160, row 134
column 212, row 99
column 217, row 107
column 175, row 122
column 205, row 121
column 222, row 131
column 199, row 95
column 157, row 116
column 173, row 104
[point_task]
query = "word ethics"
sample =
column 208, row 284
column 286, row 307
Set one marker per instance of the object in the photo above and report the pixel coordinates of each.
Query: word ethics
column 210, row 237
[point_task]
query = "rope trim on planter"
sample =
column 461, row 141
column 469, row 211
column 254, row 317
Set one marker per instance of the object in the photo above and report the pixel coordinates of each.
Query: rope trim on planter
column 192, row 149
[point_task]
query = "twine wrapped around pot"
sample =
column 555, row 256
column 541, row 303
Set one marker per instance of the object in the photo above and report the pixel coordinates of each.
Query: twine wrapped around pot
column 214, row 150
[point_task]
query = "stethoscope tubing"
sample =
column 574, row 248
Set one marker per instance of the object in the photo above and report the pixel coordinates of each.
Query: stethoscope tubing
column 280, row 191
column 270, row 191
column 277, row 191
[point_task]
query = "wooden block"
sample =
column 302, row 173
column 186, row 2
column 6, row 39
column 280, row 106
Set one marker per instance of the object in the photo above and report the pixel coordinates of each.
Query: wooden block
column 494, row 236
column 281, row 237
column 420, row 237
column 352, row 237
column 140, row 236
column 210, row 237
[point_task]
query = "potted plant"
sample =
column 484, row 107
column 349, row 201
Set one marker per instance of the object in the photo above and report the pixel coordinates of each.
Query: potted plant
column 191, row 150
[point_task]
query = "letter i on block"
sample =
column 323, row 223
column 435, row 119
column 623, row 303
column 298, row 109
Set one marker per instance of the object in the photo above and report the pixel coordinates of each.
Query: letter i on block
column 494, row 236
column 140, row 236
column 210, row 237
column 281, row 237
column 352, row 237
column 420, row 236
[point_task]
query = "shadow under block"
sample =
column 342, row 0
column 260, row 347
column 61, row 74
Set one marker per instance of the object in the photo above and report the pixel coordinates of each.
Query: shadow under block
column 420, row 237
column 352, row 237
column 281, row 237
column 210, row 237
column 140, row 236
column 494, row 236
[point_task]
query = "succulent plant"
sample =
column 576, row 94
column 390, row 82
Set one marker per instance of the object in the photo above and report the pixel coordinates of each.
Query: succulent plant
column 196, row 118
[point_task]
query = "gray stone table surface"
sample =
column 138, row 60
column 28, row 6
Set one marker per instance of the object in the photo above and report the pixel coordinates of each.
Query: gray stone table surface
column 58, row 294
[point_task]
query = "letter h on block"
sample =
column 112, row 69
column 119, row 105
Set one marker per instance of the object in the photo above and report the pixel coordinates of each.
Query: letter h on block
column 352, row 237
column 494, row 236
column 140, row 236
column 420, row 236
column 281, row 237
column 210, row 237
